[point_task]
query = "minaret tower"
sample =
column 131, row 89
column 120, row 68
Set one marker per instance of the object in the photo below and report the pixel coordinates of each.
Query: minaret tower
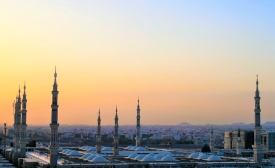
column 14, row 122
column 23, row 141
column 138, row 126
column 98, row 135
column 18, row 120
column 257, row 147
column 239, row 145
column 211, row 141
column 54, row 125
column 115, row 149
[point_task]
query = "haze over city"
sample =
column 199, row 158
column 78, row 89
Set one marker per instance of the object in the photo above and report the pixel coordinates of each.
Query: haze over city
column 187, row 61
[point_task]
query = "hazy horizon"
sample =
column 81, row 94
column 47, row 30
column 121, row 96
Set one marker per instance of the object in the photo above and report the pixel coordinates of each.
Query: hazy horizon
column 187, row 61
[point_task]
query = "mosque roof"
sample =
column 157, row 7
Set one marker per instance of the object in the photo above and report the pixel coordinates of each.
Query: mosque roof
column 193, row 155
column 214, row 158
column 168, row 158
column 158, row 157
column 148, row 159
column 140, row 149
column 139, row 157
column 99, row 159
column 203, row 156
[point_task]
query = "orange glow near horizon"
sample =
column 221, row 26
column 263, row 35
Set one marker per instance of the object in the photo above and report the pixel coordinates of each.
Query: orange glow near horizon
column 186, row 66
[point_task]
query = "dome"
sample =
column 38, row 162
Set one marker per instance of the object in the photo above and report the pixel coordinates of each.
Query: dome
column 91, row 149
column 168, row 158
column 74, row 153
column 67, row 152
column 85, row 156
column 140, row 149
column 60, row 149
column 214, row 158
column 148, row 159
column 205, row 148
column 107, row 149
column 85, row 148
column 129, row 147
column 139, row 157
column 91, row 157
column 203, row 156
column 158, row 157
column 193, row 155
column 99, row 159
column 132, row 156
column 150, row 154
column 82, row 147
column 64, row 151
column 133, row 148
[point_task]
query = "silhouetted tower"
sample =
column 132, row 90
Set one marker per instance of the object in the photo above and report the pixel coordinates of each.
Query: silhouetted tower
column 18, row 121
column 239, row 145
column 23, row 140
column 138, row 125
column 115, row 149
column 98, row 135
column 257, row 147
column 211, row 140
column 54, row 125
column 5, row 134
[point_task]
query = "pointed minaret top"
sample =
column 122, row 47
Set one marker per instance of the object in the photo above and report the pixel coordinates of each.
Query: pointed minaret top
column 24, row 88
column 99, row 113
column 19, row 92
column 55, row 74
column 116, row 111
column 239, row 132
column 257, row 82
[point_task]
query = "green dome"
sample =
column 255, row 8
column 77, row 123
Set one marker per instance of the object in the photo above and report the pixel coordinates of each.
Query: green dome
column 205, row 148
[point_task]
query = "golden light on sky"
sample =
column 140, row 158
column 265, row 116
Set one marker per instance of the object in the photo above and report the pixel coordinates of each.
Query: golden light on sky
column 190, row 62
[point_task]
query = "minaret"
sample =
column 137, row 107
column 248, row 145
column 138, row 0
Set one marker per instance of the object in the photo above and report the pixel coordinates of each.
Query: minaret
column 23, row 141
column 239, row 145
column 54, row 126
column 257, row 147
column 18, row 120
column 14, row 121
column 138, row 126
column 211, row 141
column 98, row 135
column 115, row 149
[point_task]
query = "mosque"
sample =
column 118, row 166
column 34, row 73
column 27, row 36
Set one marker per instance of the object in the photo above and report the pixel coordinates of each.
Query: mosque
column 119, row 157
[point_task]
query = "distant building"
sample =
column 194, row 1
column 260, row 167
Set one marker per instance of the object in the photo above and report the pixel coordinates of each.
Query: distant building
column 231, row 139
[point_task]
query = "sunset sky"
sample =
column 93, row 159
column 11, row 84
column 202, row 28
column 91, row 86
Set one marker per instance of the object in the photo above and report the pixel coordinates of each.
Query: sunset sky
column 188, row 61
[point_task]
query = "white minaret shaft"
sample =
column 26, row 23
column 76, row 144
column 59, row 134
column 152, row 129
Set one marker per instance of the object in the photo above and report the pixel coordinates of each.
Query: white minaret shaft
column 98, row 135
column 211, row 141
column 239, row 145
column 54, row 125
column 23, row 141
column 115, row 149
column 18, row 121
column 138, row 125
column 257, row 147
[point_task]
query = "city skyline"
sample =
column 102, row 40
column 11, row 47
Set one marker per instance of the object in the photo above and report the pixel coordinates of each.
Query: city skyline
column 190, row 62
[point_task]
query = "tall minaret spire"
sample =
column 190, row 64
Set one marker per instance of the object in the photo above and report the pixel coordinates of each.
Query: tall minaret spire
column 257, row 147
column 18, row 120
column 115, row 149
column 138, row 125
column 23, row 141
column 239, row 145
column 98, row 135
column 54, row 125
column 211, row 140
